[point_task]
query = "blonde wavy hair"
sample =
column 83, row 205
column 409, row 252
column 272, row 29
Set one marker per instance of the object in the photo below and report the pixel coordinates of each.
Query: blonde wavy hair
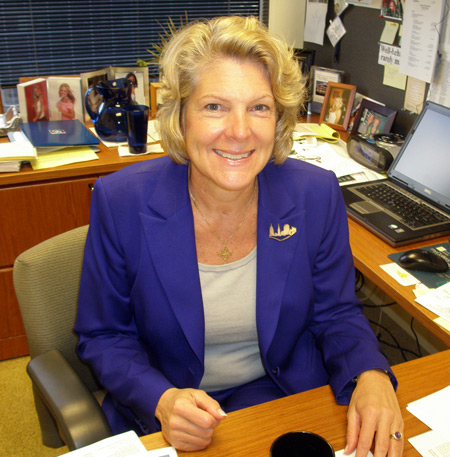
column 245, row 38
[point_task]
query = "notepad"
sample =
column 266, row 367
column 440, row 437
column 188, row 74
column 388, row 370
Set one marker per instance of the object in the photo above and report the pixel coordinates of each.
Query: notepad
column 65, row 156
column 322, row 131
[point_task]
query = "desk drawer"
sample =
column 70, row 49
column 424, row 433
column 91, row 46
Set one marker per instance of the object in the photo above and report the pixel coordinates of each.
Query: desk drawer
column 31, row 214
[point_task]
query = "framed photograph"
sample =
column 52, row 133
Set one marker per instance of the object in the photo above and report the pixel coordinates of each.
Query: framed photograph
column 139, row 77
column 319, row 79
column 155, row 99
column 392, row 9
column 33, row 99
column 372, row 118
column 337, row 105
column 88, row 81
column 65, row 98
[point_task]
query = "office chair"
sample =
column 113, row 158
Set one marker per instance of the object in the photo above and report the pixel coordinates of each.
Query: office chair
column 46, row 281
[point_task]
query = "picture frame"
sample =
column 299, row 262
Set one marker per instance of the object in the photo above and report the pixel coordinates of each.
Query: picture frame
column 71, row 86
column 392, row 9
column 155, row 99
column 319, row 79
column 32, row 95
column 337, row 105
column 372, row 118
column 141, row 90
column 89, row 80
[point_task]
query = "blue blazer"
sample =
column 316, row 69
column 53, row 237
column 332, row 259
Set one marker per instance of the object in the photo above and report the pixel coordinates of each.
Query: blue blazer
column 140, row 318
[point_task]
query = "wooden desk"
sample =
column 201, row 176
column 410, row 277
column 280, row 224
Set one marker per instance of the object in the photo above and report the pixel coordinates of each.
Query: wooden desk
column 36, row 205
column 250, row 432
column 369, row 252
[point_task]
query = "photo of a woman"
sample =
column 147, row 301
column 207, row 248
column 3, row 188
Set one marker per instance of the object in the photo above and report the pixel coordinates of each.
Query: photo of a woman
column 66, row 103
column 337, row 105
column 39, row 108
column 65, row 98
column 335, row 110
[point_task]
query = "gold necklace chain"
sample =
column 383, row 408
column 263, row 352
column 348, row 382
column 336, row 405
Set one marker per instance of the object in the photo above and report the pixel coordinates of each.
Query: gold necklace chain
column 225, row 252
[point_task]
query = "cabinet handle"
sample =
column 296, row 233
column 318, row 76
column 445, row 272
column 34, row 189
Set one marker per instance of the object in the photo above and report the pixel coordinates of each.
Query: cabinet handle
column 91, row 187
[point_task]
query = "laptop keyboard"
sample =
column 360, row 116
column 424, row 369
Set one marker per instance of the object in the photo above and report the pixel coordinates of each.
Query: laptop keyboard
column 412, row 213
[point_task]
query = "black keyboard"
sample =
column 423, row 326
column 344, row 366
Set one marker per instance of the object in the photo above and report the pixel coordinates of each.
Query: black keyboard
column 412, row 213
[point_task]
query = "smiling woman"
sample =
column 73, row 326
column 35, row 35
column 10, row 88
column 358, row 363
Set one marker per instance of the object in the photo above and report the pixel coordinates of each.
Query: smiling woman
column 221, row 276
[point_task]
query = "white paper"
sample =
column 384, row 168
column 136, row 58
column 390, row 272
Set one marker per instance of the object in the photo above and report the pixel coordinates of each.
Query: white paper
column 399, row 274
column 432, row 444
column 16, row 150
column 336, row 31
column 433, row 410
column 124, row 150
column 420, row 38
column 341, row 454
column 152, row 131
column 389, row 55
column 316, row 13
column 438, row 301
column 440, row 87
column 126, row 444
column 164, row 452
column 415, row 95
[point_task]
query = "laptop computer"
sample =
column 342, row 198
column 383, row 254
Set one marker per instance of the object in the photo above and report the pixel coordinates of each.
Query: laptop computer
column 420, row 173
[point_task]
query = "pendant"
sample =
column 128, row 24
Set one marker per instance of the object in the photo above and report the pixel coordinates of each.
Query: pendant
column 225, row 253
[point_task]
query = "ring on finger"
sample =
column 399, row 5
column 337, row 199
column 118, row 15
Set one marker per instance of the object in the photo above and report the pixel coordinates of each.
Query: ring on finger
column 397, row 436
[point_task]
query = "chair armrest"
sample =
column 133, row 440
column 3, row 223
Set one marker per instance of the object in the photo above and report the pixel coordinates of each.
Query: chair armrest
column 79, row 417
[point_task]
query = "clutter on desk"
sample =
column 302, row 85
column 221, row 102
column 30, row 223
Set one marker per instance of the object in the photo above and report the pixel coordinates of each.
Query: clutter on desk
column 437, row 300
column 329, row 155
column 152, row 137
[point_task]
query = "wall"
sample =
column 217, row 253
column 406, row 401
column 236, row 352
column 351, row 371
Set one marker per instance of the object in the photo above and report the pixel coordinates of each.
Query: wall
column 358, row 56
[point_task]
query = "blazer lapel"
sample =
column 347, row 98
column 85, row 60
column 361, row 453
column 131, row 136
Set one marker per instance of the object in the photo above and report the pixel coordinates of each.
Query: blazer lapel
column 275, row 251
column 170, row 238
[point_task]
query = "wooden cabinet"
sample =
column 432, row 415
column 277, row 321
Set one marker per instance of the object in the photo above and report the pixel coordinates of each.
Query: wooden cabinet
column 31, row 214
column 34, row 206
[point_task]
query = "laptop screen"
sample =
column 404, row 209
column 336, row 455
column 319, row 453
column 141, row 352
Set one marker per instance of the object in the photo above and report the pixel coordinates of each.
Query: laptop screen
column 423, row 163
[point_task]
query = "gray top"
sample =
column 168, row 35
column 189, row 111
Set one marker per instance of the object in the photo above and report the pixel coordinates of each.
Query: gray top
column 232, row 354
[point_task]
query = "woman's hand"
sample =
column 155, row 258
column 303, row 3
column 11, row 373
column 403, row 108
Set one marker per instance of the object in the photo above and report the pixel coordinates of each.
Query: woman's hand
column 188, row 418
column 373, row 416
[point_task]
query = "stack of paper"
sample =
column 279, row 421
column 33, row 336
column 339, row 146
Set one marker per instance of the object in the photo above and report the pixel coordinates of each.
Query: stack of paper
column 438, row 301
column 434, row 411
column 12, row 154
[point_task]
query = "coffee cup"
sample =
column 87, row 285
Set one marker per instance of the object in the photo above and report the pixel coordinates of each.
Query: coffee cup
column 301, row 444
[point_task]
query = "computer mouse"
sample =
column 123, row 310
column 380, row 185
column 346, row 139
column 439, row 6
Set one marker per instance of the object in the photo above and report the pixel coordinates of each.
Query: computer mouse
column 420, row 259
